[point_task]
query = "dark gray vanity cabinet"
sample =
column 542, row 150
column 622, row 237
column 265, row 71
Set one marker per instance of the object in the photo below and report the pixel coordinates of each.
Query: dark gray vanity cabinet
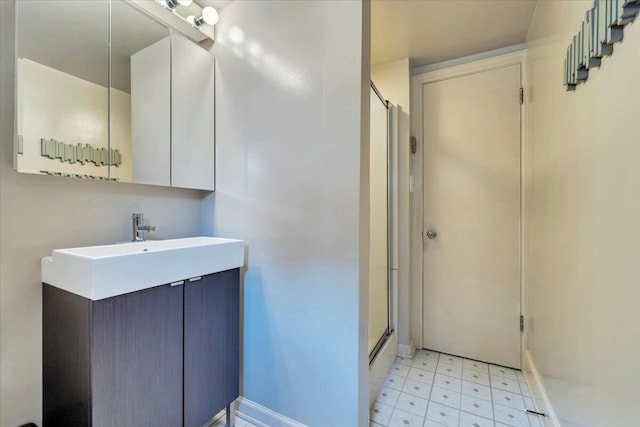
column 167, row 356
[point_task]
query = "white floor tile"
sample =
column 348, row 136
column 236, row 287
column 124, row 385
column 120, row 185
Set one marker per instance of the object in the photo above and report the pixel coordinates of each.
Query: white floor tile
column 388, row 396
column 476, row 377
column 395, row 382
column 420, row 375
column 400, row 370
column 510, row 400
column 476, row 390
column 400, row 418
column 427, row 354
column 403, row 360
column 450, row 370
column 471, row 420
column 451, row 360
column 474, row 365
column 435, row 390
column 528, row 404
column 443, row 414
column 503, row 372
column 473, row 405
column 448, row 383
column 417, row 388
column 506, row 384
column 426, row 364
column 535, row 420
column 239, row 423
column 524, row 389
column 445, row 397
column 381, row 413
column 511, row 416
column 412, row 404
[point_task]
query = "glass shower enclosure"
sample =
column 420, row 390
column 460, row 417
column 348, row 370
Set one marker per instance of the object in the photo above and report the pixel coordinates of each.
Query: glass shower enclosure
column 380, row 321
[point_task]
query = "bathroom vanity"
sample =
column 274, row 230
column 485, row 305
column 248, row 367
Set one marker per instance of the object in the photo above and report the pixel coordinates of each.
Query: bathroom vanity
column 141, row 334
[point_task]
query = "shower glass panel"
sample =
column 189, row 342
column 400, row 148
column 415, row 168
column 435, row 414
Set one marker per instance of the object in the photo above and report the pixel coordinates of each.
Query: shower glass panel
column 379, row 224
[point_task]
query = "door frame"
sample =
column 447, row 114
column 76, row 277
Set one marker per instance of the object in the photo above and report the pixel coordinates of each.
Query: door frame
column 417, row 226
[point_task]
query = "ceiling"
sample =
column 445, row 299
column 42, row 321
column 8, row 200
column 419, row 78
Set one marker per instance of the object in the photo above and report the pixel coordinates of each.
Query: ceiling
column 432, row 31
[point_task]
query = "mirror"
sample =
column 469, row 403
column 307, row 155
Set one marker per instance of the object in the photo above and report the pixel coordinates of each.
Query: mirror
column 62, row 79
column 141, row 110
column 140, row 96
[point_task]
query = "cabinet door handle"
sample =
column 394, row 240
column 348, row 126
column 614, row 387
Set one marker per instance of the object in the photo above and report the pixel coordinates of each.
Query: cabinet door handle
column 178, row 283
column 195, row 279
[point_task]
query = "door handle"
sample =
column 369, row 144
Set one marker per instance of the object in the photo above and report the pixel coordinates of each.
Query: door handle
column 432, row 233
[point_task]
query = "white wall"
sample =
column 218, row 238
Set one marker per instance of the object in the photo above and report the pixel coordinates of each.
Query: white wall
column 290, row 82
column 81, row 116
column 393, row 80
column 582, row 229
column 40, row 213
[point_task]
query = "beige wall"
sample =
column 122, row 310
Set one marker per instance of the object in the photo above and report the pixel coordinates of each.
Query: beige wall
column 40, row 213
column 393, row 80
column 583, row 224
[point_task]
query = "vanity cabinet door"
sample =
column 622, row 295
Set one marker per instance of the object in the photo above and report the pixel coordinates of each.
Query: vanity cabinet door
column 137, row 359
column 66, row 362
column 211, row 345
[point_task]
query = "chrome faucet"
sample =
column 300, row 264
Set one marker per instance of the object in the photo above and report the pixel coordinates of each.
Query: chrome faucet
column 139, row 228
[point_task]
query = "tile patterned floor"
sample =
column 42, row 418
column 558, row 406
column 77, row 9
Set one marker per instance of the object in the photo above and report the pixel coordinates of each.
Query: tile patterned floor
column 435, row 390
column 220, row 421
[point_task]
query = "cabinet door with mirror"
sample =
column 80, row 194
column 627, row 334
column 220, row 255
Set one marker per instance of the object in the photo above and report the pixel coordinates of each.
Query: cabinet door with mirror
column 102, row 93
column 62, row 80
column 140, row 96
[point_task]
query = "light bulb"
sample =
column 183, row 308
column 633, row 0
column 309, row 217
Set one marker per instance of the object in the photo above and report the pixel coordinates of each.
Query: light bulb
column 192, row 20
column 170, row 4
column 185, row 2
column 210, row 15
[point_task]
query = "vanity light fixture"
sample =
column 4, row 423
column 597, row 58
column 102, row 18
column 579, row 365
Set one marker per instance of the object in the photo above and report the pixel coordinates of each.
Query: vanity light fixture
column 209, row 16
column 172, row 5
column 202, row 19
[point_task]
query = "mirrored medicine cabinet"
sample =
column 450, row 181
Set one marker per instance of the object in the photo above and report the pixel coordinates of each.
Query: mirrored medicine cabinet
column 105, row 91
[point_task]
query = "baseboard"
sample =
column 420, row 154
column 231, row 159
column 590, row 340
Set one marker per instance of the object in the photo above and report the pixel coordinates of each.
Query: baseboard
column 407, row 350
column 538, row 392
column 262, row 416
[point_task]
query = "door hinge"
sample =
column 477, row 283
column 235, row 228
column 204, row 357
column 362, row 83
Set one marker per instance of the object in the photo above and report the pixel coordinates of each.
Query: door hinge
column 521, row 96
column 414, row 145
column 521, row 323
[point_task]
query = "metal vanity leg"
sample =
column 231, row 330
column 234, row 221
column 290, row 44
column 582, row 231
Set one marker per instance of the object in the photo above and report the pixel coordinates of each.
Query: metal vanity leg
column 231, row 416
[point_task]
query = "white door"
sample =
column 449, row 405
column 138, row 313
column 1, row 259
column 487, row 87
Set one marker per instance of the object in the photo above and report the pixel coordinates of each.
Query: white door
column 471, row 137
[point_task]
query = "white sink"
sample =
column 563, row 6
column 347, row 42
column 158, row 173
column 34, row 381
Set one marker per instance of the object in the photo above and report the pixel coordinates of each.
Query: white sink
column 98, row 272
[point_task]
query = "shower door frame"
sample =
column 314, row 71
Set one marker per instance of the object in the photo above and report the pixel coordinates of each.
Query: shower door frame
column 390, row 227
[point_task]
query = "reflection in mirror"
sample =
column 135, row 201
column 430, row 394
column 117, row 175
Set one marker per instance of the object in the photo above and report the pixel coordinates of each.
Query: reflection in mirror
column 62, row 80
column 140, row 97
